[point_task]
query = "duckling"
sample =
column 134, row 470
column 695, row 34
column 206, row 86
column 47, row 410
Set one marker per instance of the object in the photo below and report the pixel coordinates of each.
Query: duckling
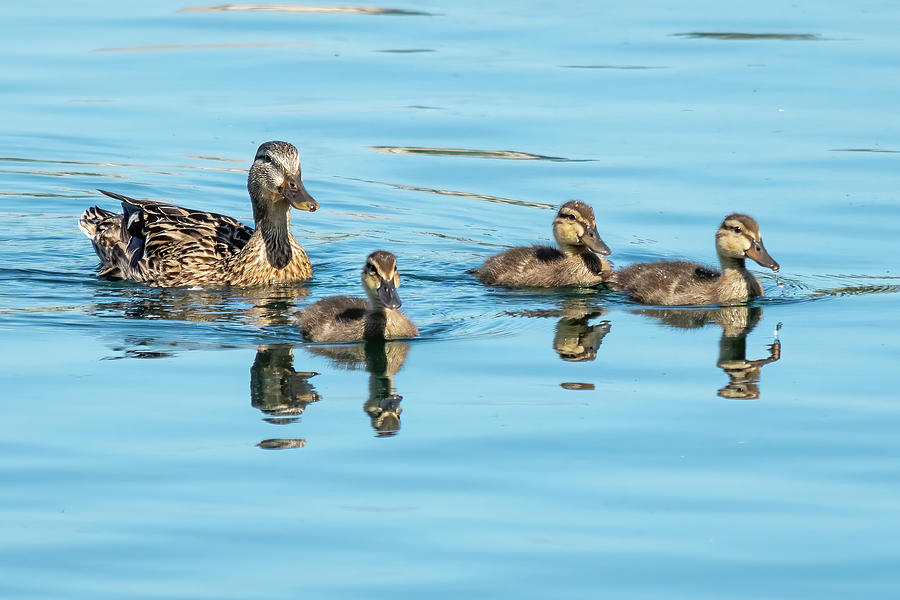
column 578, row 261
column 680, row 282
column 346, row 319
column 169, row 246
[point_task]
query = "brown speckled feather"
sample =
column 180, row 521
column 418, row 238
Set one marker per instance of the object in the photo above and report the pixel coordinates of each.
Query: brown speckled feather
column 166, row 245
column 682, row 283
column 543, row 266
column 344, row 319
column 170, row 246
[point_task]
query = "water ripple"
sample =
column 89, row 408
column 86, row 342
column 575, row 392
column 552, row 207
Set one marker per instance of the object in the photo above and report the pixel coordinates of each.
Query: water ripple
column 413, row 188
column 617, row 67
column 406, row 50
column 471, row 153
column 201, row 47
column 865, row 150
column 22, row 160
column 342, row 10
column 751, row 36
column 795, row 290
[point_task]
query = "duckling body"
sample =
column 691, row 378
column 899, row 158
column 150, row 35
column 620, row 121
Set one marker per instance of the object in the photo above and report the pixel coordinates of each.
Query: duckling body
column 347, row 319
column 687, row 283
column 169, row 246
column 543, row 266
column 579, row 260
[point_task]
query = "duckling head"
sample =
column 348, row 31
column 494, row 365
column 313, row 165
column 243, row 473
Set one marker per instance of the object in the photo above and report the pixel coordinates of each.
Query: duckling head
column 575, row 229
column 738, row 237
column 381, row 280
column 275, row 179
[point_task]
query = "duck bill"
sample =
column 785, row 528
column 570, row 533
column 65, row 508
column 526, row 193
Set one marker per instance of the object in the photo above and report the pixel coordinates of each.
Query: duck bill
column 298, row 196
column 387, row 295
column 591, row 240
column 758, row 253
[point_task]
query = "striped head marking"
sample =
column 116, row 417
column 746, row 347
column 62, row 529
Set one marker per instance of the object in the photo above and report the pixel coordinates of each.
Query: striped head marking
column 738, row 237
column 575, row 229
column 381, row 280
column 275, row 177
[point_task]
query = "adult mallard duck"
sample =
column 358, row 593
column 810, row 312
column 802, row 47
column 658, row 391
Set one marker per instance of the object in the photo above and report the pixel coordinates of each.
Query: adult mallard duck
column 346, row 319
column 686, row 283
column 578, row 261
column 166, row 245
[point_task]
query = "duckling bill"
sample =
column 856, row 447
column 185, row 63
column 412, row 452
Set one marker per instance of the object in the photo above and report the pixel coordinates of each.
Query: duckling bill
column 686, row 283
column 165, row 245
column 579, row 260
column 347, row 319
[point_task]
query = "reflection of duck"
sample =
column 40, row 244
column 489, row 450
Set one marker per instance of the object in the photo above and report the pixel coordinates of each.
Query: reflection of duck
column 259, row 306
column 346, row 319
column 165, row 245
column 576, row 340
column 276, row 388
column 736, row 322
column 382, row 360
column 681, row 282
column 578, row 261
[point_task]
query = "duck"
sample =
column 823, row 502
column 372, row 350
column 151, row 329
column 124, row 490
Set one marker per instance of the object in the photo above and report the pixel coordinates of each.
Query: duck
column 347, row 319
column 687, row 283
column 579, row 260
column 165, row 245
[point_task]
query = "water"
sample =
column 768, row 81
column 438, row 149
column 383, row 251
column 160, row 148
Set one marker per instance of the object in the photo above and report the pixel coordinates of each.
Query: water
column 176, row 443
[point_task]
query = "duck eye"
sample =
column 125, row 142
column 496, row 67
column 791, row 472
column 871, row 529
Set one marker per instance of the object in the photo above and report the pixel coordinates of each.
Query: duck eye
column 570, row 217
column 265, row 158
column 736, row 229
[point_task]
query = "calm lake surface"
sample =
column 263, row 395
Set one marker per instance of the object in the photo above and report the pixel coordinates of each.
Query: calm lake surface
column 569, row 443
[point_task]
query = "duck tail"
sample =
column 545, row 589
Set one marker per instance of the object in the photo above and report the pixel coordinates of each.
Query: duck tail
column 91, row 218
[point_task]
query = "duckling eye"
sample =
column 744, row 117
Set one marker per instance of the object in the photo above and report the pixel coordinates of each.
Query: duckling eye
column 265, row 158
column 569, row 217
column 736, row 229
column 369, row 269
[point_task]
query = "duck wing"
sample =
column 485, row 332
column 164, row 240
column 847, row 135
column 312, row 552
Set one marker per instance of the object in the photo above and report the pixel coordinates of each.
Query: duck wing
column 162, row 241
column 664, row 282
column 334, row 319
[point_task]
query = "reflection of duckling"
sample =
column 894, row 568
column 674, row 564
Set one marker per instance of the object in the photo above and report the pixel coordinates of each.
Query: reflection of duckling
column 681, row 282
column 382, row 360
column 282, row 443
column 578, row 261
column 165, row 245
column 276, row 388
column 736, row 322
column 346, row 319
column 384, row 413
column 743, row 374
column 576, row 340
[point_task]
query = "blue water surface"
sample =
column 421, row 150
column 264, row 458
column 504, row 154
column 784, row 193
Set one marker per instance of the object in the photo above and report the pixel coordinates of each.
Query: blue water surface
column 531, row 444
